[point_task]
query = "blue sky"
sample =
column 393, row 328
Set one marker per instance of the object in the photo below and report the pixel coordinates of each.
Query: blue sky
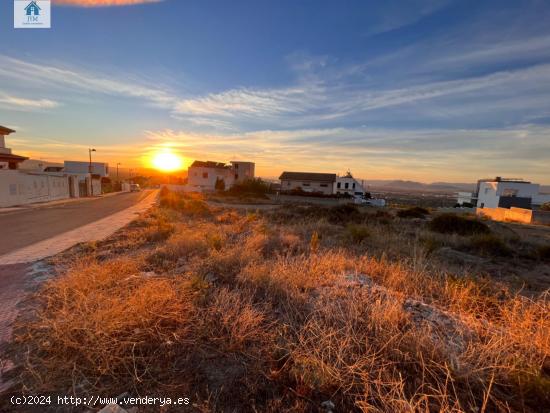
column 418, row 89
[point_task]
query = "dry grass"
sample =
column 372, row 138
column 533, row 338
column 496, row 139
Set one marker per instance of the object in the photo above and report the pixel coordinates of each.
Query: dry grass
column 250, row 313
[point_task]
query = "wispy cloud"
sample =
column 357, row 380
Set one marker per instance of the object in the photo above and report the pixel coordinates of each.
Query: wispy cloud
column 422, row 153
column 26, row 104
column 102, row 3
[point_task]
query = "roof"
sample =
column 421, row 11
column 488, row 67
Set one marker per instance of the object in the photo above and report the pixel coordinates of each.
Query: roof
column 8, row 157
column 5, row 131
column 32, row 3
column 307, row 176
column 209, row 164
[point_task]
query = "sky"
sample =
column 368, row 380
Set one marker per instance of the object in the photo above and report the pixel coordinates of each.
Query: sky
column 426, row 90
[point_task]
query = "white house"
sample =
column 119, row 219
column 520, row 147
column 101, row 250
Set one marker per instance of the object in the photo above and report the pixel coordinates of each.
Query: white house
column 20, row 187
column 243, row 170
column 203, row 175
column 465, row 198
column 347, row 184
column 87, row 183
column 507, row 193
column 308, row 182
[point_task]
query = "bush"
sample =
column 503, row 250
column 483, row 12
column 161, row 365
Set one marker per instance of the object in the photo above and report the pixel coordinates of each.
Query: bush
column 455, row 224
column 544, row 252
column 414, row 212
column 545, row 206
column 489, row 245
column 255, row 187
column 170, row 199
column 357, row 233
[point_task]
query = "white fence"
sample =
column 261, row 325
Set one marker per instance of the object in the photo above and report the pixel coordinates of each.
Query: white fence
column 20, row 188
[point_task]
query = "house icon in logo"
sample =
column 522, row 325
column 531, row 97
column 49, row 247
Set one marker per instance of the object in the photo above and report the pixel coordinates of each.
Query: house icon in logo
column 32, row 9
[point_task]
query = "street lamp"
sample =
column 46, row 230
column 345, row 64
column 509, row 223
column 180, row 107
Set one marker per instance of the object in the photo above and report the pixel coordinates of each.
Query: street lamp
column 90, row 150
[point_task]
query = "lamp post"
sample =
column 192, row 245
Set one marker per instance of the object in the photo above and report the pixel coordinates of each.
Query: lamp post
column 90, row 150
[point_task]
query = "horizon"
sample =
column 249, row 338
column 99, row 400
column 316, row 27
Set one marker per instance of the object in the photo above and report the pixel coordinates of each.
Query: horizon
column 426, row 91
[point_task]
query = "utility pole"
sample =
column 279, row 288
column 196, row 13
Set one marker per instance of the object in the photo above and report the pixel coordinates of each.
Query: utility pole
column 90, row 150
column 117, row 170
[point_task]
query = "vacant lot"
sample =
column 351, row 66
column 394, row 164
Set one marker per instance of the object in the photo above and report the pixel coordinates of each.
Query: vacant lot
column 297, row 309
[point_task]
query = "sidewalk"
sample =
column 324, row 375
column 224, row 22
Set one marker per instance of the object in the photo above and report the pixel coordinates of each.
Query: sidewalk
column 91, row 232
column 21, row 271
column 57, row 202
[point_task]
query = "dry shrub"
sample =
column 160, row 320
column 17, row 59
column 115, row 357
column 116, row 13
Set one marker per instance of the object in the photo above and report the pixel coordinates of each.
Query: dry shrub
column 413, row 212
column 357, row 233
column 455, row 224
column 233, row 323
column 108, row 325
column 488, row 245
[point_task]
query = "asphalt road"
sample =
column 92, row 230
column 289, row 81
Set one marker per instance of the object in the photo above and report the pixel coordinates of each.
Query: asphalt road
column 25, row 227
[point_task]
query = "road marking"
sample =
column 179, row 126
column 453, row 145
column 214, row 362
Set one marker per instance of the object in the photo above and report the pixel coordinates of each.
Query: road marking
column 93, row 231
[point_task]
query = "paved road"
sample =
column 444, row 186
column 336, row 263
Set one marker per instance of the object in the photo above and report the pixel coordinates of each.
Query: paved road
column 29, row 226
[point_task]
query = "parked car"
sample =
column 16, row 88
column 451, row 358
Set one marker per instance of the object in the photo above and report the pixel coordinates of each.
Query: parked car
column 135, row 188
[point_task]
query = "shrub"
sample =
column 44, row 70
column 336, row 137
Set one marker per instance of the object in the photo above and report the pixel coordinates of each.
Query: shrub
column 356, row 233
column 414, row 212
column 544, row 252
column 251, row 187
column 170, row 199
column 455, row 224
column 198, row 208
column 545, row 206
column 489, row 245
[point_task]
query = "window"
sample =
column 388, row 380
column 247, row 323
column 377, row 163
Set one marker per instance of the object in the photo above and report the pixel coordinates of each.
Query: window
column 323, row 185
column 236, row 176
column 346, row 185
column 339, row 185
column 510, row 192
column 487, row 190
column 13, row 189
column 353, row 185
column 205, row 175
column 305, row 184
column 236, row 166
column 288, row 183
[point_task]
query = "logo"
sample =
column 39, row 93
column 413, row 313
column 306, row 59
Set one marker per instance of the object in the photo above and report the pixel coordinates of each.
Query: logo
column 31, row 14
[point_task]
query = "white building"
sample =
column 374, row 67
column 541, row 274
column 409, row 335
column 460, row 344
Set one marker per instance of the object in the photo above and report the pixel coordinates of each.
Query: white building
column 465, row 198
column 348, row 185
column 507, row 193
column 24, row 181
column 203, row 175
column 308, row 182
column 88, row 184
column 20, row 187
column 243, row 171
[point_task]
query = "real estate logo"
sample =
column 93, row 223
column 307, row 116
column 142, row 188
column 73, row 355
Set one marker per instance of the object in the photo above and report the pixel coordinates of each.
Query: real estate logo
column 31, row 14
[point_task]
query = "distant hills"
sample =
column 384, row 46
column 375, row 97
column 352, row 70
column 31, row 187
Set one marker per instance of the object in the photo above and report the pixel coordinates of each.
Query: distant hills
column 400, row 185
column 419, row 186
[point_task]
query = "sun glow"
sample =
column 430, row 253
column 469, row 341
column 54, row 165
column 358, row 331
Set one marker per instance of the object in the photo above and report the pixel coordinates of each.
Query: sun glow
column 167, row 161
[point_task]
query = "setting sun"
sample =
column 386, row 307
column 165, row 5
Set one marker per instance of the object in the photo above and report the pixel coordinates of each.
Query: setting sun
column 167, row 161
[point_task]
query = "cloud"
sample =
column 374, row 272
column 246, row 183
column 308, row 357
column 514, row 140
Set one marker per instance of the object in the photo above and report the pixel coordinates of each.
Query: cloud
column 102, row 3
column 374, row 152
column 23, row 103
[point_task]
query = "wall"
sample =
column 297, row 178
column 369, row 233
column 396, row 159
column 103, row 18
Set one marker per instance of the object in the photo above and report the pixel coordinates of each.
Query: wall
column 343, row 180
column 504, row 214
column 195, row 177
column 489, row 192
column 20, row 188
column 98, row 168
column 541, row 217
column 243, row 170
column 310, row 186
